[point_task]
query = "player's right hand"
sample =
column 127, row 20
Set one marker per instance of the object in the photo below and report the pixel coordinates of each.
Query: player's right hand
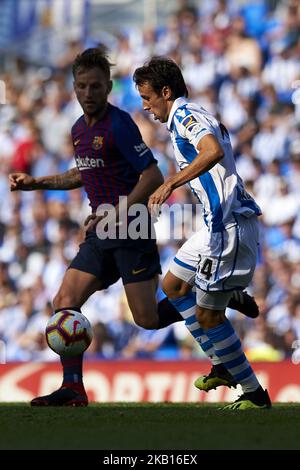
column 21, row 181
column 91, row 221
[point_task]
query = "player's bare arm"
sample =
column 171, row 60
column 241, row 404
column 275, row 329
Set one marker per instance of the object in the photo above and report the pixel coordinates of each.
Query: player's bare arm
column 150, row 179
column 70, row 179
column 210, row 153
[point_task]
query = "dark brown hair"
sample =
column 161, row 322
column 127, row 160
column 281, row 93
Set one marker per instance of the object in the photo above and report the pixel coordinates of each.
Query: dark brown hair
column 159, row 72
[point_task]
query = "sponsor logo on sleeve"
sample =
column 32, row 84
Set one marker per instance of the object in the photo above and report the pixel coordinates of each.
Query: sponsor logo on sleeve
column 141, row 149
column 189, row 122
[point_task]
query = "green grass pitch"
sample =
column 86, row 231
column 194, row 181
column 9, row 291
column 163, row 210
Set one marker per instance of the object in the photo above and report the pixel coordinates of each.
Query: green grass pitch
column 148, row 426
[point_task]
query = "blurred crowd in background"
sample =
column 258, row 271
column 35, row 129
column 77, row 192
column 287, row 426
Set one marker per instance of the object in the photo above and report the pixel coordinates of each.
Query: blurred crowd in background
column 241, row 62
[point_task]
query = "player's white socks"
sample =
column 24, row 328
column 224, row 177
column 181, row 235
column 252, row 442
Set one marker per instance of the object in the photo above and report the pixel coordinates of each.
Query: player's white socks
column 229, row 350
column 186, row 306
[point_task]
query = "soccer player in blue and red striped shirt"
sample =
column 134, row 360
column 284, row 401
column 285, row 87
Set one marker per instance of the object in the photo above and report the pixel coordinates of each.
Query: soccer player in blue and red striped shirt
column 111, row 161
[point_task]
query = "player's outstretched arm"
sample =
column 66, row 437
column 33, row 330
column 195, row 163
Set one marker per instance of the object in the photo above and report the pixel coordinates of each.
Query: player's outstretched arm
column 71, row 179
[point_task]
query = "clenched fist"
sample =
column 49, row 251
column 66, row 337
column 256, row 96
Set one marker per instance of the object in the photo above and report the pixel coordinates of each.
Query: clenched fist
column 21, row 181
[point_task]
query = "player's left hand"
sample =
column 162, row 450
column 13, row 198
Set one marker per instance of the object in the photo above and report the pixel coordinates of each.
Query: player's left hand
column 160, row 196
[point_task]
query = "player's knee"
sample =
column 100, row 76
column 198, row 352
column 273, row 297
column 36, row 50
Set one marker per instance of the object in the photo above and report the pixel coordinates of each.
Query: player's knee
column 63, row 300
column 146, row 319
column 147, row 323
column 174, row 289
column 209, row 318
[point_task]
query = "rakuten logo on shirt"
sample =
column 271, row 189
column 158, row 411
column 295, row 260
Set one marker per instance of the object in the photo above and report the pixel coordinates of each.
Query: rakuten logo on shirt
column 86, row 163
column 141, row 149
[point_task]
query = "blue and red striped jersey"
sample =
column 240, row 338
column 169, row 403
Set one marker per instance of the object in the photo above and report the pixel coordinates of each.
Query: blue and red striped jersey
column 110, row 155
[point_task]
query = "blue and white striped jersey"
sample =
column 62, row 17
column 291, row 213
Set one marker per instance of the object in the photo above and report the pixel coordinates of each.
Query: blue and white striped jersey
column 220, row 190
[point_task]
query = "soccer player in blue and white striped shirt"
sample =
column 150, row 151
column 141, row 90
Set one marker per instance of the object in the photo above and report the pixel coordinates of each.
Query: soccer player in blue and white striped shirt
column 221, row 257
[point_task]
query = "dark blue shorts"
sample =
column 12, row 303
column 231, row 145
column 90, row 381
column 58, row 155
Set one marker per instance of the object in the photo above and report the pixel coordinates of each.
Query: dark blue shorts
column 132, row 260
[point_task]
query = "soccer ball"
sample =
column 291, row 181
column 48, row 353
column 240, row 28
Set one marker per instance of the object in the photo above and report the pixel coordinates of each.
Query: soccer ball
column 68, row 333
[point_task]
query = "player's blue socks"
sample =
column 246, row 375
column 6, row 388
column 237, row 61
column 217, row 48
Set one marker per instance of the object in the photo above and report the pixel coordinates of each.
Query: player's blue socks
column 186, row 306
column 229, row 350
column 72, row 366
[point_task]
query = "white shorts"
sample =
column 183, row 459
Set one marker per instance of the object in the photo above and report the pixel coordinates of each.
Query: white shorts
column 221, row 261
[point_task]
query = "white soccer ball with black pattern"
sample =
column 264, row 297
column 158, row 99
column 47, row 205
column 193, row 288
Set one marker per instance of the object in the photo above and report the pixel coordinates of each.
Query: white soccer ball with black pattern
column 69, row 333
